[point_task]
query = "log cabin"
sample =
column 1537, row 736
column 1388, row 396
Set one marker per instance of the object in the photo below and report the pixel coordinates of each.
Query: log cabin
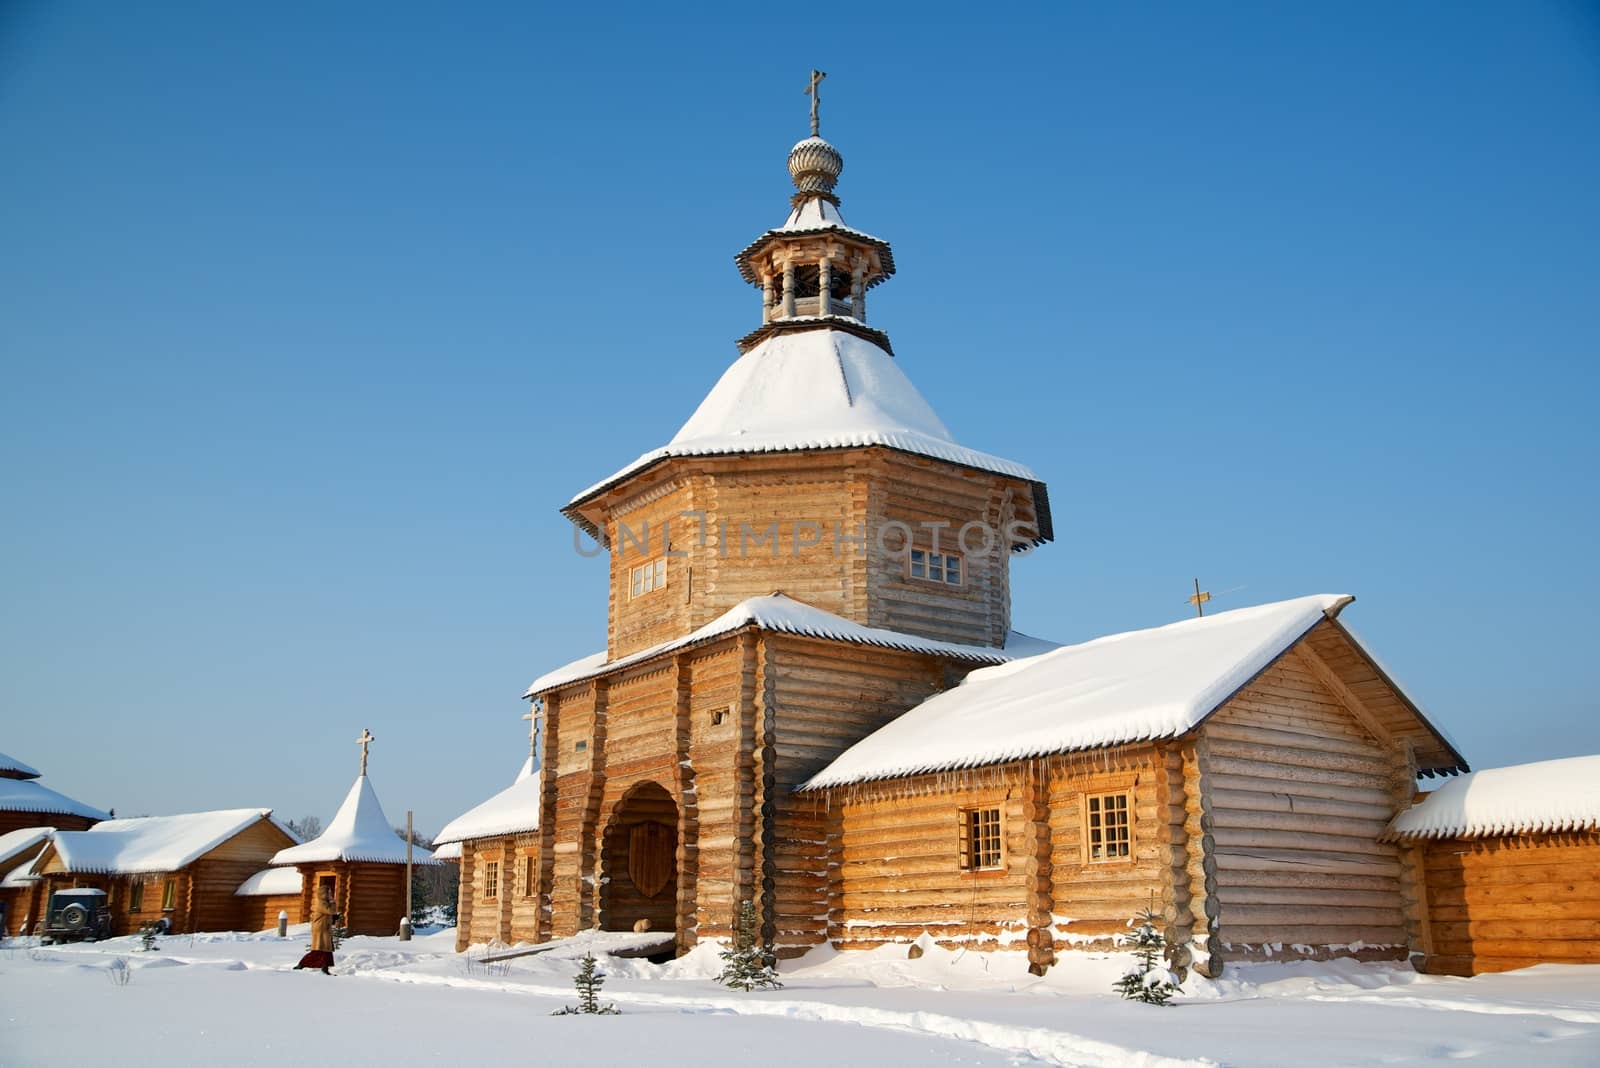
column 25, row 802
column 19, row 900
column 1508, row 861
column 360, row 858
column 811, row 696
column 182, row 869
column 497, row 846
column 264, row 895
column 1234, row 772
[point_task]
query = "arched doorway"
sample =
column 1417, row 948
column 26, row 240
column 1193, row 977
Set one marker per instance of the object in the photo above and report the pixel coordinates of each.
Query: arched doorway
column 640, row 853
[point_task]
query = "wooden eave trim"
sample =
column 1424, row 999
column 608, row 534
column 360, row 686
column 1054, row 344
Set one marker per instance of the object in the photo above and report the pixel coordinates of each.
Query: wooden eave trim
column 1461, row 763
column 1347, row 697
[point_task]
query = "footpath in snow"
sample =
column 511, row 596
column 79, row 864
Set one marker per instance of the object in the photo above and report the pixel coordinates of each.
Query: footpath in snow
column 233, row 998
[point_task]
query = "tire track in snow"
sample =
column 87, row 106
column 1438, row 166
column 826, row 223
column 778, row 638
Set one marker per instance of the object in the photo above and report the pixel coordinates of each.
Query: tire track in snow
column 1055, row 1047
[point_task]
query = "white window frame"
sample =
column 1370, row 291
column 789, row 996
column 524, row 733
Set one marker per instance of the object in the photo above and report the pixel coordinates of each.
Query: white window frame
column 923, row 565
column 647, row 577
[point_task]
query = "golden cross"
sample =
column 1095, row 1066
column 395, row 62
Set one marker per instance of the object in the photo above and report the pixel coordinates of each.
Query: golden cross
column 1199, row 599
column 814, row 90
column 365, row 740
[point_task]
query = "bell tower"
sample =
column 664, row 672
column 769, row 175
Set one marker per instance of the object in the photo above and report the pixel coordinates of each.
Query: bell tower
column 814, row 270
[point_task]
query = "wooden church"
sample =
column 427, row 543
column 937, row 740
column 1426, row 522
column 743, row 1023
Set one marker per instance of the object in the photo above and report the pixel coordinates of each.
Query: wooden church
column 811, row 696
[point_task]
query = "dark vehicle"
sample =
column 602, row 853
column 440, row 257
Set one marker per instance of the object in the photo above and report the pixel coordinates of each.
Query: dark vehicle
column 77, row 916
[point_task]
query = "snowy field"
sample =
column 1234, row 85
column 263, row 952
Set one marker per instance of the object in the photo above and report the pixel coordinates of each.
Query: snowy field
column 232, row 999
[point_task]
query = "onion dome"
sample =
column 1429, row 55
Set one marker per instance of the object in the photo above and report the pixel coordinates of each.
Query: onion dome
column 814, row 165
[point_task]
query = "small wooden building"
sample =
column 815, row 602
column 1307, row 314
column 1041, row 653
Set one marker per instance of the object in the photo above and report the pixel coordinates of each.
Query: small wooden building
column 361, row 858
column 497, row 845
column 267, row 893
column 1236, row 771
column 1510, row 862
column 182, row 868
column 19, row 900
column 24, row 802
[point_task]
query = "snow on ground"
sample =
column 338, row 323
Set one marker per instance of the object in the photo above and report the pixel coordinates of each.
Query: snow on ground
column 232, row 998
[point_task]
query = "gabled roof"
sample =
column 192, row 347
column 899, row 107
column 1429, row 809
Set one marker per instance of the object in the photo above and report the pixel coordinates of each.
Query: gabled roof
column 358, row 831
column 15, row 843
column 781, row 613
column 149, row 843
column 11, row 767
column 1544, row 797
column 511, row 811
column 274, row 881
column 817, row 389
column 1123, row 688
column 26, row 795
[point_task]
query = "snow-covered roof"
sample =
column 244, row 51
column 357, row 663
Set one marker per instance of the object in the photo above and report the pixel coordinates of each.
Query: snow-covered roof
column 447, row 851
column 20, row 876
column 512, row 810
column 815, row 389
column 779, row 612
column 26, row 795
column 1137, row 686
column 271, row 881
column 14, row 768
column 14, row 843
column 1543, row 797
column 151, row 843
column 358, row 831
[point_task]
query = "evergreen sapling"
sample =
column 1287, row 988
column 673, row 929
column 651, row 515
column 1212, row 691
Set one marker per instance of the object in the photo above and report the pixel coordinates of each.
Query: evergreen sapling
column 589, row 980
column 1147, row 980
column 747, row 964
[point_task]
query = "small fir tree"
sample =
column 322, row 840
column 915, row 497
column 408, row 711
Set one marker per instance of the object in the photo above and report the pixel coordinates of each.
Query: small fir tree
column 748, row 964
column 147, row 936
column 1147, row 980
column 589, row 980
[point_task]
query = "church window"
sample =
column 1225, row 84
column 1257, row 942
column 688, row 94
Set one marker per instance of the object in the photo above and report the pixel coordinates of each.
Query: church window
column 579, row 747
column 1109, row 834
column 136, row 896
column 528, row 875
column 980, row 838
column 491, row 879
column 169, row 894
column 647, row 577
column 936, row 567
column 719, row 717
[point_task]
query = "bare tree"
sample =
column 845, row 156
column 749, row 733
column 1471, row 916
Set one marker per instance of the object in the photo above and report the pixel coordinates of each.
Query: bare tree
column 306, row 827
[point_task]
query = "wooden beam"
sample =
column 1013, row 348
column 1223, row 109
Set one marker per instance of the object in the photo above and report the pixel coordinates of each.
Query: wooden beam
column 1347, row 697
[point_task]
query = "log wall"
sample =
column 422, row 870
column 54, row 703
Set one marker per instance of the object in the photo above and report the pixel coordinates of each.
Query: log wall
column 818, row 526
column 259, row 912
column 1494, row 904
column 1297, row 794
column 824, row 697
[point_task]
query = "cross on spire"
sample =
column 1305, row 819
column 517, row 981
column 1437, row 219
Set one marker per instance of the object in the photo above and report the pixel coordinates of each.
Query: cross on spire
column 814, row 90
column 366, row 739
column 534, row 715
column 1199, row 599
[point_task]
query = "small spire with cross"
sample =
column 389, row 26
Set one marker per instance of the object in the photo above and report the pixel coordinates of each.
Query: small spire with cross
column 1199, row 599
column 814, row 90
column 366, row 739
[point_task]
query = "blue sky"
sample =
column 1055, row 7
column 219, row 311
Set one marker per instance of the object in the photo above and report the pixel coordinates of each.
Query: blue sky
column 311, row 316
